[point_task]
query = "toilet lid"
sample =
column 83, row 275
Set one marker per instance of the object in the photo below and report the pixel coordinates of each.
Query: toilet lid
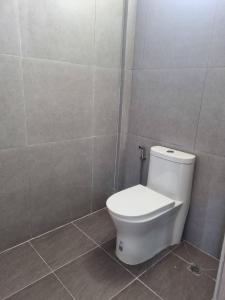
column 138, row 201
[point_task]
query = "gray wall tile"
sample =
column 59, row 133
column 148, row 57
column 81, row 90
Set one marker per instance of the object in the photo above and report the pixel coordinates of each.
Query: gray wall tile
column 12, row 117
column 60, row 183
column 46, row 104
column 58, row 99
column 129, row 40
column 58, row 29
column 106, row 101
column 140, row 33
column 176, row 103
column 126, row 100
column 211, row 128
column 103, row 169
column 217, row 51
column 9, row 30
column 206, row 223
column 15, row 207
column 178, row 33
column 130, row 159
column 108, row 33
column 165, row 104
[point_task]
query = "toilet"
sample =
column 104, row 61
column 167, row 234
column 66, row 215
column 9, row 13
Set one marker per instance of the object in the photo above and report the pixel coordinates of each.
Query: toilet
column 150, row 218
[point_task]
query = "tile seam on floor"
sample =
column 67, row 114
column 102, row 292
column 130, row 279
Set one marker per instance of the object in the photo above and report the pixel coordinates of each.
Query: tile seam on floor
column 49, row 231
column 100, row 246
column 121, row 290
column 155, row 263
column 203, row 271
column 112, row 258
column 115, row 260
column 190, row 263
column 33, row 282
column 213, row 257
column 51, row 271
column 70, row 261
column 68, row 291
column 149, row 288
column 87, row 236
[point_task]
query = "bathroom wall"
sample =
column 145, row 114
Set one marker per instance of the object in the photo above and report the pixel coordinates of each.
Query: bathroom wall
column 178, row 100
column 60, row 65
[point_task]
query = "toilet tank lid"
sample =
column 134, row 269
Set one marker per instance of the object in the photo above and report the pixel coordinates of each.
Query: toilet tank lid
column 173, row 155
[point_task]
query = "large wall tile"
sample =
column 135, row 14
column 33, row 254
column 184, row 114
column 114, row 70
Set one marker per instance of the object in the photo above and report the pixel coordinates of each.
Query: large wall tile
column 132, row 169
column 126, row 100
column 58, row 99
column 108, row 33
column 58, row 29
column 165, row 104
column 140, row 33
column 217, row 53
column 12, row 117
column 120, row 167
column 212, row 118
column 9, row 29
column 104, row 156
column 178, row 33
column 129, row 39
column 60, row 183
column 106, row 101
column 206, row 223
column 132, row 172
column 14, row 203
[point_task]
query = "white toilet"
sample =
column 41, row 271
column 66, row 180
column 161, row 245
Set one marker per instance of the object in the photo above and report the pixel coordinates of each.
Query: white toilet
column 149, row 219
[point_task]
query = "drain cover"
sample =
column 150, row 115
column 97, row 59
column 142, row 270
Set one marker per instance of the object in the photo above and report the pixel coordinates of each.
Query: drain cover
column 194, row 269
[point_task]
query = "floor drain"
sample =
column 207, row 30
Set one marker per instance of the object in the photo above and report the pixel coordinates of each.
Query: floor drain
column 194, row 269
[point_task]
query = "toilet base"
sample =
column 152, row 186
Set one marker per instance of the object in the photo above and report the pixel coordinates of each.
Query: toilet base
column 139, row 242
column 138, row 249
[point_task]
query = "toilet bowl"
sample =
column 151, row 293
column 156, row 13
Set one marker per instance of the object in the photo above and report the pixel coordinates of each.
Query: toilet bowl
column 149, row 219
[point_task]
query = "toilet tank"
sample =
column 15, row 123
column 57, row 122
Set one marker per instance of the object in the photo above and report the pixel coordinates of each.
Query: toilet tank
column 171, row 173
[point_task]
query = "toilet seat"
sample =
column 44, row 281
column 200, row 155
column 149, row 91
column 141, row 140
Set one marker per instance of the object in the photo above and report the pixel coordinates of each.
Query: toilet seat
column 139, row 201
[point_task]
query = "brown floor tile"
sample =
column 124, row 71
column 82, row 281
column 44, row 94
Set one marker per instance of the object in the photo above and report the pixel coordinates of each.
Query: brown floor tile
column 94, row 276
column 62, row 245
column 19, row 267
column 137, row 269
column 98, row 226
column 208, row 264
column 171, row 280
column 136, row 291
column 48, row 288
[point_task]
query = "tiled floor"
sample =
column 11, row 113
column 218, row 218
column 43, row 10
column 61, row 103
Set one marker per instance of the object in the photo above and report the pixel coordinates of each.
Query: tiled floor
column 77, row 261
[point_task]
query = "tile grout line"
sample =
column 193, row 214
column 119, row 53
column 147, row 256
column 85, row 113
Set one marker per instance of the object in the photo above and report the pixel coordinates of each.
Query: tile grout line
column 213, row 257
column 33, row 282
column 150, row 289
column 121, row 290
column 208, row 68
column 47, row 232
column 203, row 271
column 173, row 145
column 97, row 246
column 135, row 277
column 155, row 263
column 53, row 272
column 74, row 259
column 49, row 60
column 22, row 75
column 74, row 139
column 100, row 246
